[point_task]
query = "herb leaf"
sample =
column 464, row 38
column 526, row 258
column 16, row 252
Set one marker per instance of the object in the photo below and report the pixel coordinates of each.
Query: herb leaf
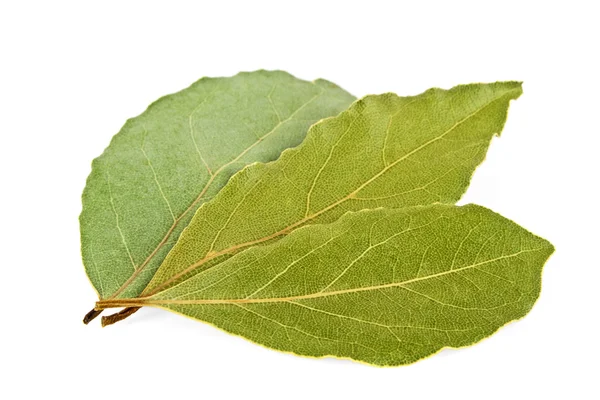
column 386, row 286
column 165, row 163
column 384, row 151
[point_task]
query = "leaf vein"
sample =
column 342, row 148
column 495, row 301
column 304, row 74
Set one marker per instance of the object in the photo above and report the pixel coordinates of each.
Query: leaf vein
column 112, row 203
column 156, row 177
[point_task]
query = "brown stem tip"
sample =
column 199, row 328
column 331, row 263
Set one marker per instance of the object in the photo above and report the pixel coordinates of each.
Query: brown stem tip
column 121, row 315
column 91, row 315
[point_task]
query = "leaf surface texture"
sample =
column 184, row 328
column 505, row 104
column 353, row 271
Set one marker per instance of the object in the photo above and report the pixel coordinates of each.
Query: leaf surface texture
column 384, row 151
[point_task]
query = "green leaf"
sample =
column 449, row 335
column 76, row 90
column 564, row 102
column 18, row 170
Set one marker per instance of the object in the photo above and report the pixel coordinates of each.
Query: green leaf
column 165, row 163
column 386, row 287
column 384, row 151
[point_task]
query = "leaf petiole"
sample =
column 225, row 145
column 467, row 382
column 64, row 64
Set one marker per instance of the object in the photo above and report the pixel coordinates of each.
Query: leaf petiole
column 93, row 313
column 116, row 317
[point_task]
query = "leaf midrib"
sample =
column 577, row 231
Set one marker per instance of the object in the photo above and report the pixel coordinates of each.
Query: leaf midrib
column 149, row 301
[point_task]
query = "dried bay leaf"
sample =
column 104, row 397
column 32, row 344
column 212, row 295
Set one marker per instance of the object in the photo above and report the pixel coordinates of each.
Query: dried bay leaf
column 384, row 151
column 165, row 163
column 386, row 286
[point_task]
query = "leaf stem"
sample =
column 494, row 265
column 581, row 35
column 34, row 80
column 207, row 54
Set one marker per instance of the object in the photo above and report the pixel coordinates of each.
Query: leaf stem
column 93, row 313
column 121, row 315
column 118, row 303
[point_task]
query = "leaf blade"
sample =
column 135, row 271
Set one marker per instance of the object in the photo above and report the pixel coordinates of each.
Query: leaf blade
column 348, row 163
column 337, row 290
column 165, row 163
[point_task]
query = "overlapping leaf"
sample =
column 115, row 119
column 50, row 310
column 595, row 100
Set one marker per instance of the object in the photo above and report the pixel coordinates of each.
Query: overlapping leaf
column 165, row 163
column 384, row 151
column 385, row 286
column 299, row 255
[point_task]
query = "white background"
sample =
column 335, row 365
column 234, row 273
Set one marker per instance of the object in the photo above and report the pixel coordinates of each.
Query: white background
column 72, row 73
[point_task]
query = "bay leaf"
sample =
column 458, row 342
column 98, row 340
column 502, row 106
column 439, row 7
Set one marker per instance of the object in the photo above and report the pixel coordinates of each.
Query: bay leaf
column 386, row 287
column 165, row 163
column 384, row 151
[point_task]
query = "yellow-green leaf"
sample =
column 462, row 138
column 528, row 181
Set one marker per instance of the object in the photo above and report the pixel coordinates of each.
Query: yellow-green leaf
column 384, row 151
column 385, row 286
column 165, row 163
